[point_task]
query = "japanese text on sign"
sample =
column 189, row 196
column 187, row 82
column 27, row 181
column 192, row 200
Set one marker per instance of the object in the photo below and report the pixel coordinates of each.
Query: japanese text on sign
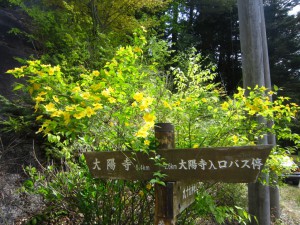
column 193, row 164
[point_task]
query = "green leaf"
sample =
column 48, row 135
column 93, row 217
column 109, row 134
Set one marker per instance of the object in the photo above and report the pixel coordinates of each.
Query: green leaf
column 18, row 86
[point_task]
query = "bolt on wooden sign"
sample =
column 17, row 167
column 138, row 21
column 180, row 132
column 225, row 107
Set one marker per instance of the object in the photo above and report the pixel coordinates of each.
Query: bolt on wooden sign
column 218, row 164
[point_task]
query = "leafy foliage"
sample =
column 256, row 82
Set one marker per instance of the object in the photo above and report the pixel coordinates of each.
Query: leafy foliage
column 116, row 107
column 97, row 96
column 16, row 117
column 88, row 32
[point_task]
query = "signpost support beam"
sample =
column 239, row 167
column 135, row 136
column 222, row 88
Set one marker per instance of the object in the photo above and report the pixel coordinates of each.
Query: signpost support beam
column 164, row 213
column 255, row 72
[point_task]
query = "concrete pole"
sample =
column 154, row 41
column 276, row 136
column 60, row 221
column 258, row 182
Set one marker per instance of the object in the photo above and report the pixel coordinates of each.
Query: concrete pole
column 254, row 59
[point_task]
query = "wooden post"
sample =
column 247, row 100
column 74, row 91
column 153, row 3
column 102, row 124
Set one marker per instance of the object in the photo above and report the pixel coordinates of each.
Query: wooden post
column 164, row 210
column 274, row 188
column 254, row 61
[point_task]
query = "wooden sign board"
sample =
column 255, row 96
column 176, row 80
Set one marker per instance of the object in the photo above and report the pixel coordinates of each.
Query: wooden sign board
column 176, row 197
column 220, row 164
column 184, row 195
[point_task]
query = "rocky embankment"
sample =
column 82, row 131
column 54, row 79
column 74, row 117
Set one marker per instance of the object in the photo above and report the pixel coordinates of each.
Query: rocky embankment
column 14, row 151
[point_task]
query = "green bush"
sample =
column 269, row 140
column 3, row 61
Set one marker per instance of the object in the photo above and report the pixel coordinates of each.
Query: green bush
column 115, row 108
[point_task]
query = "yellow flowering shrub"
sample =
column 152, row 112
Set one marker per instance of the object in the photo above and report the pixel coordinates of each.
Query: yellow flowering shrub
column 99, row 104
column 117, row 106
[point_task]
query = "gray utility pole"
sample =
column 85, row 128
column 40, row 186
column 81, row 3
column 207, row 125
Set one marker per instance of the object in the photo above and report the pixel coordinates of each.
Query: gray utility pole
column 255, row 65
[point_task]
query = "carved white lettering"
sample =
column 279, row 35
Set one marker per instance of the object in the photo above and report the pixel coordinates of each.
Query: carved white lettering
column 96, row 164
column 127, row 163
column 256, row 163
column 111, row 165
column 171, row 166
column 142, row 168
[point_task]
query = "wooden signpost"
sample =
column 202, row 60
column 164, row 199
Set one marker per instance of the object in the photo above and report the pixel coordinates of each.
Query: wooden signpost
column 183, row 169
column 224, row 164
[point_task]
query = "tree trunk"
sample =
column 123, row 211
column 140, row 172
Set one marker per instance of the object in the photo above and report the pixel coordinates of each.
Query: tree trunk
column 255, row 72
column 175, row 12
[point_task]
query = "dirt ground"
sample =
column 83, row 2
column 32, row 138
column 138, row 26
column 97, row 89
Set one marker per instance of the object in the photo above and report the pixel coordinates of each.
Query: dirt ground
column 290, row 205
column 13, row 204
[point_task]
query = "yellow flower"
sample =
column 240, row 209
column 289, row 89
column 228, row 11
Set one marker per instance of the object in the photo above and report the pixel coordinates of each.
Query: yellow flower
column 95, row 98
column 85, row 95
column 56, row 68
column 95, row 73
column 57, row 113
column 55, row 98
column 146, row 103
column 138, row 96
column 90, row 111
column 51, row 71
column 48, row 88
column 50, row 107
column 112, row 100
column 10, row 71
column 106, row 93
column 66, row 117
column 203, row 99
column 166, row 105
column 177, row 103
column 36, row 86
column 134, row 104
column 225, row 105
column 196, row 146
column 137, row 49
column 141, row 193
column 262, row 88
column 149, row 186
column 76, row 89
column 70, row 108
column 80, row 115
column 39, row 99
column 257, row 101
column 147, row 142
column 149, row 125
column 235, row 139
column 97, row 106
column 253, row 109
column 42, row 93
column 96, row 87
column 271, row 93
column 143, row 132
column 188, row 99
column 149, row 117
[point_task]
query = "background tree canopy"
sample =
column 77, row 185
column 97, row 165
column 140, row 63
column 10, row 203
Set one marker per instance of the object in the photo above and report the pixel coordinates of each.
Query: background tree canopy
column 88, row 32
column 212, row 28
